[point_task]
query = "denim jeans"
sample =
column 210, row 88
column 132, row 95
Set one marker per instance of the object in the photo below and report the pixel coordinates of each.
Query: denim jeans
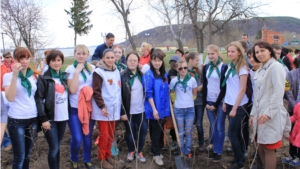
column 77, row 137
column 136, row 130
column 184, row 119
column 199, row 111
column 217, row 127
column 22, row 133
column 156, row 128
column 54, row 138
column 235, row 132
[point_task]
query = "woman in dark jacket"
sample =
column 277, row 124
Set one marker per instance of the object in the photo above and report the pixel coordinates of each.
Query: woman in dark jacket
column 133, row 112
column 52, row 104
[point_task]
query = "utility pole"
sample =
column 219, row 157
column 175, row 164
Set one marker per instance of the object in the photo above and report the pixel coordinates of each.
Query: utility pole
column 147, row 35
column 3, row 40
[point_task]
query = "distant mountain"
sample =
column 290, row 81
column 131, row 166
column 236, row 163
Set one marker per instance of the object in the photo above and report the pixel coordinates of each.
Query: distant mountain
column 161, row 35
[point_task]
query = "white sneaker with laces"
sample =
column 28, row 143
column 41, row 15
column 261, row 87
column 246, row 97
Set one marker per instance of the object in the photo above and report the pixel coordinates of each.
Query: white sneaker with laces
column 158, row 160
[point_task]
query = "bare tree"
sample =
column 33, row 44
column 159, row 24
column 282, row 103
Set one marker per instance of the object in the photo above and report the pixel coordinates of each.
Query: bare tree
column 216, row 14
column 170, row 11
column 124, row 9
column 23, row 20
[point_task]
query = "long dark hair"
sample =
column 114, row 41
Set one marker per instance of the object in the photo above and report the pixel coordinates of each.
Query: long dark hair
column 137, row 55
column 263, row 44
column 158, row 53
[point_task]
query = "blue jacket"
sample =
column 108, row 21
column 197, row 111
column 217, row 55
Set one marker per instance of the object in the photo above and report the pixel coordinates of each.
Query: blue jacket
column 98, row 54
column 159, row 91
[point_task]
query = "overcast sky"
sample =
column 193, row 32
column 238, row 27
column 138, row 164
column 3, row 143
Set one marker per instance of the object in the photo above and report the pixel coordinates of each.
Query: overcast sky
column 104, row 20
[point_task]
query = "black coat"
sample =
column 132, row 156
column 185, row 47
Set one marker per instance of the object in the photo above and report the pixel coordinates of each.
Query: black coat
column 126, row 92
column 45, row 97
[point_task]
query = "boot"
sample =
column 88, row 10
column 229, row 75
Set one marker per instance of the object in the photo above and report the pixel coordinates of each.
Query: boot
column 105, row 165
column 114, row 162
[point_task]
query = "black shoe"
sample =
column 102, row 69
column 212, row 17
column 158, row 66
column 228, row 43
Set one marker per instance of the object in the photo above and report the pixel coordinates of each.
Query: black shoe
column 74, row 165
column 89, row 165
column 210, row 155
column 236, row 166
column 217, row 157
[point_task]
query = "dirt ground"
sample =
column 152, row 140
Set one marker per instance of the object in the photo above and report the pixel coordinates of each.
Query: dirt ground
column 40, row 152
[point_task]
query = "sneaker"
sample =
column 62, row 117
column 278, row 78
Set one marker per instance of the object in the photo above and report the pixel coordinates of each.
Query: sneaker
column 130, row 156
column 105, row 164
column 295, row 162
column 210, row 155
column 158, row 160
column 246, row 154
column 164, row 147
column 141, row 157
column 189, row 155
column 89, row 165
column 161, row 156
column 216, row 157
column 74, row 165
column 174, row 146
column 209, row 147
column 236, row 166
column 229, row 149
column 201, row 148
column 287, row 160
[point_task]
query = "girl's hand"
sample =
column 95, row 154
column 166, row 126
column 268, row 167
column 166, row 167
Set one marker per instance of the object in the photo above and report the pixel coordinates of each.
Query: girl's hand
column 251, row 121
column 46, row 125
column 232, row 113
column 212, row 108
column 262, row 119
column 16, row 69
column 104, row 112
column 79, row 67
column 155, row 114
column 124, row 118
column 224, row 107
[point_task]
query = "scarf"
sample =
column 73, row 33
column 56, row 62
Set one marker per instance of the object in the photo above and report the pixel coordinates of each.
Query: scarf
column 184, row 82
column 195, row 73
column 230, row 71
column 82, row 72
column 132, row 77
column 61, row 77
column 212, row 66
column 120, row 65
column 280, row 61
column 9, row 66
column 24, row 80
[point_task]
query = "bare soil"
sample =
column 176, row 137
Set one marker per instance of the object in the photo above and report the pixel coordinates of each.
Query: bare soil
column 40, row 152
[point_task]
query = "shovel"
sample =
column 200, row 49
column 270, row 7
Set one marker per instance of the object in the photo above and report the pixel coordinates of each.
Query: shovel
column 180, row 161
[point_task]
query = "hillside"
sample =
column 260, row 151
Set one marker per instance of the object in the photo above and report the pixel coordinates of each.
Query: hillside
column 161, row 36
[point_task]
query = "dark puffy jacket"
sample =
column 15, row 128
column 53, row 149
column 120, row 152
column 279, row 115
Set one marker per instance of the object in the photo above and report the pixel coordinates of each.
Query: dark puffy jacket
column 45, row 97
column 126, row 92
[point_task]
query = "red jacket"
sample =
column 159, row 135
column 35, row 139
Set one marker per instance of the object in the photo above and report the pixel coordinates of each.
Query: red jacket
column 85, row 108
column 295, row 134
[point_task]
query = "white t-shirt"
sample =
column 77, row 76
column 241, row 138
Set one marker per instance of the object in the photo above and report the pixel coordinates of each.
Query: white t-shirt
column 137, row 97
column 184, row 100
column 233, row 87
column 89, row 80
column 23, row 107
column 61, row 101
column 213, row 84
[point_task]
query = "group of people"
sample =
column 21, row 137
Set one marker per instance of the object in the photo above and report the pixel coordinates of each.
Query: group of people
column 139, row 91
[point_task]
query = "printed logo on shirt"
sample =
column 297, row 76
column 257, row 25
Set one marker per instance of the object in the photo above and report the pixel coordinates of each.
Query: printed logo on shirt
column 60, row 98
column 110, row 81
column 180, row 87
column 119, row 83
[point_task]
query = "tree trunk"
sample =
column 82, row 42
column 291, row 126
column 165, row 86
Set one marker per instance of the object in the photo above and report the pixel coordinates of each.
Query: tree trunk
column 180, row 44
column 201, row 36
column 129, row 34
column 75, row 39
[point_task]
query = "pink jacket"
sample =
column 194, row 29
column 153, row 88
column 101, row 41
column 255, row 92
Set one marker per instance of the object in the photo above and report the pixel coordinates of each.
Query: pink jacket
column 295, row 134
column 85, row 108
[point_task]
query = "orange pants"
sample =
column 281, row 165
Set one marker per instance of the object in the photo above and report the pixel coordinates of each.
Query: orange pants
column 105, row 138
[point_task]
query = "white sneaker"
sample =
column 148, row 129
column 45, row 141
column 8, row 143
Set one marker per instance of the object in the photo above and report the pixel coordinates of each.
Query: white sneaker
column 158, row 160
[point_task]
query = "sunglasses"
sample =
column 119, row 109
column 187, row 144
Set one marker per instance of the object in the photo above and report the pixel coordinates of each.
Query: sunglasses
column 181, row 68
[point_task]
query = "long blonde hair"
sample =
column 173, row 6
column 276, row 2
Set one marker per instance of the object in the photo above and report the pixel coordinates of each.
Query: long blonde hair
column 241, row 61
column 85, row 50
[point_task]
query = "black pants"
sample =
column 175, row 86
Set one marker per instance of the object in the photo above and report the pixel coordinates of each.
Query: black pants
column 245, row 125
column 156, row 128
column 294, row 151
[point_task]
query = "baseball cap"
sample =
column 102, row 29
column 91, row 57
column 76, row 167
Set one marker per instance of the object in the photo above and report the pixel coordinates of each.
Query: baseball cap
column 174, row 58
